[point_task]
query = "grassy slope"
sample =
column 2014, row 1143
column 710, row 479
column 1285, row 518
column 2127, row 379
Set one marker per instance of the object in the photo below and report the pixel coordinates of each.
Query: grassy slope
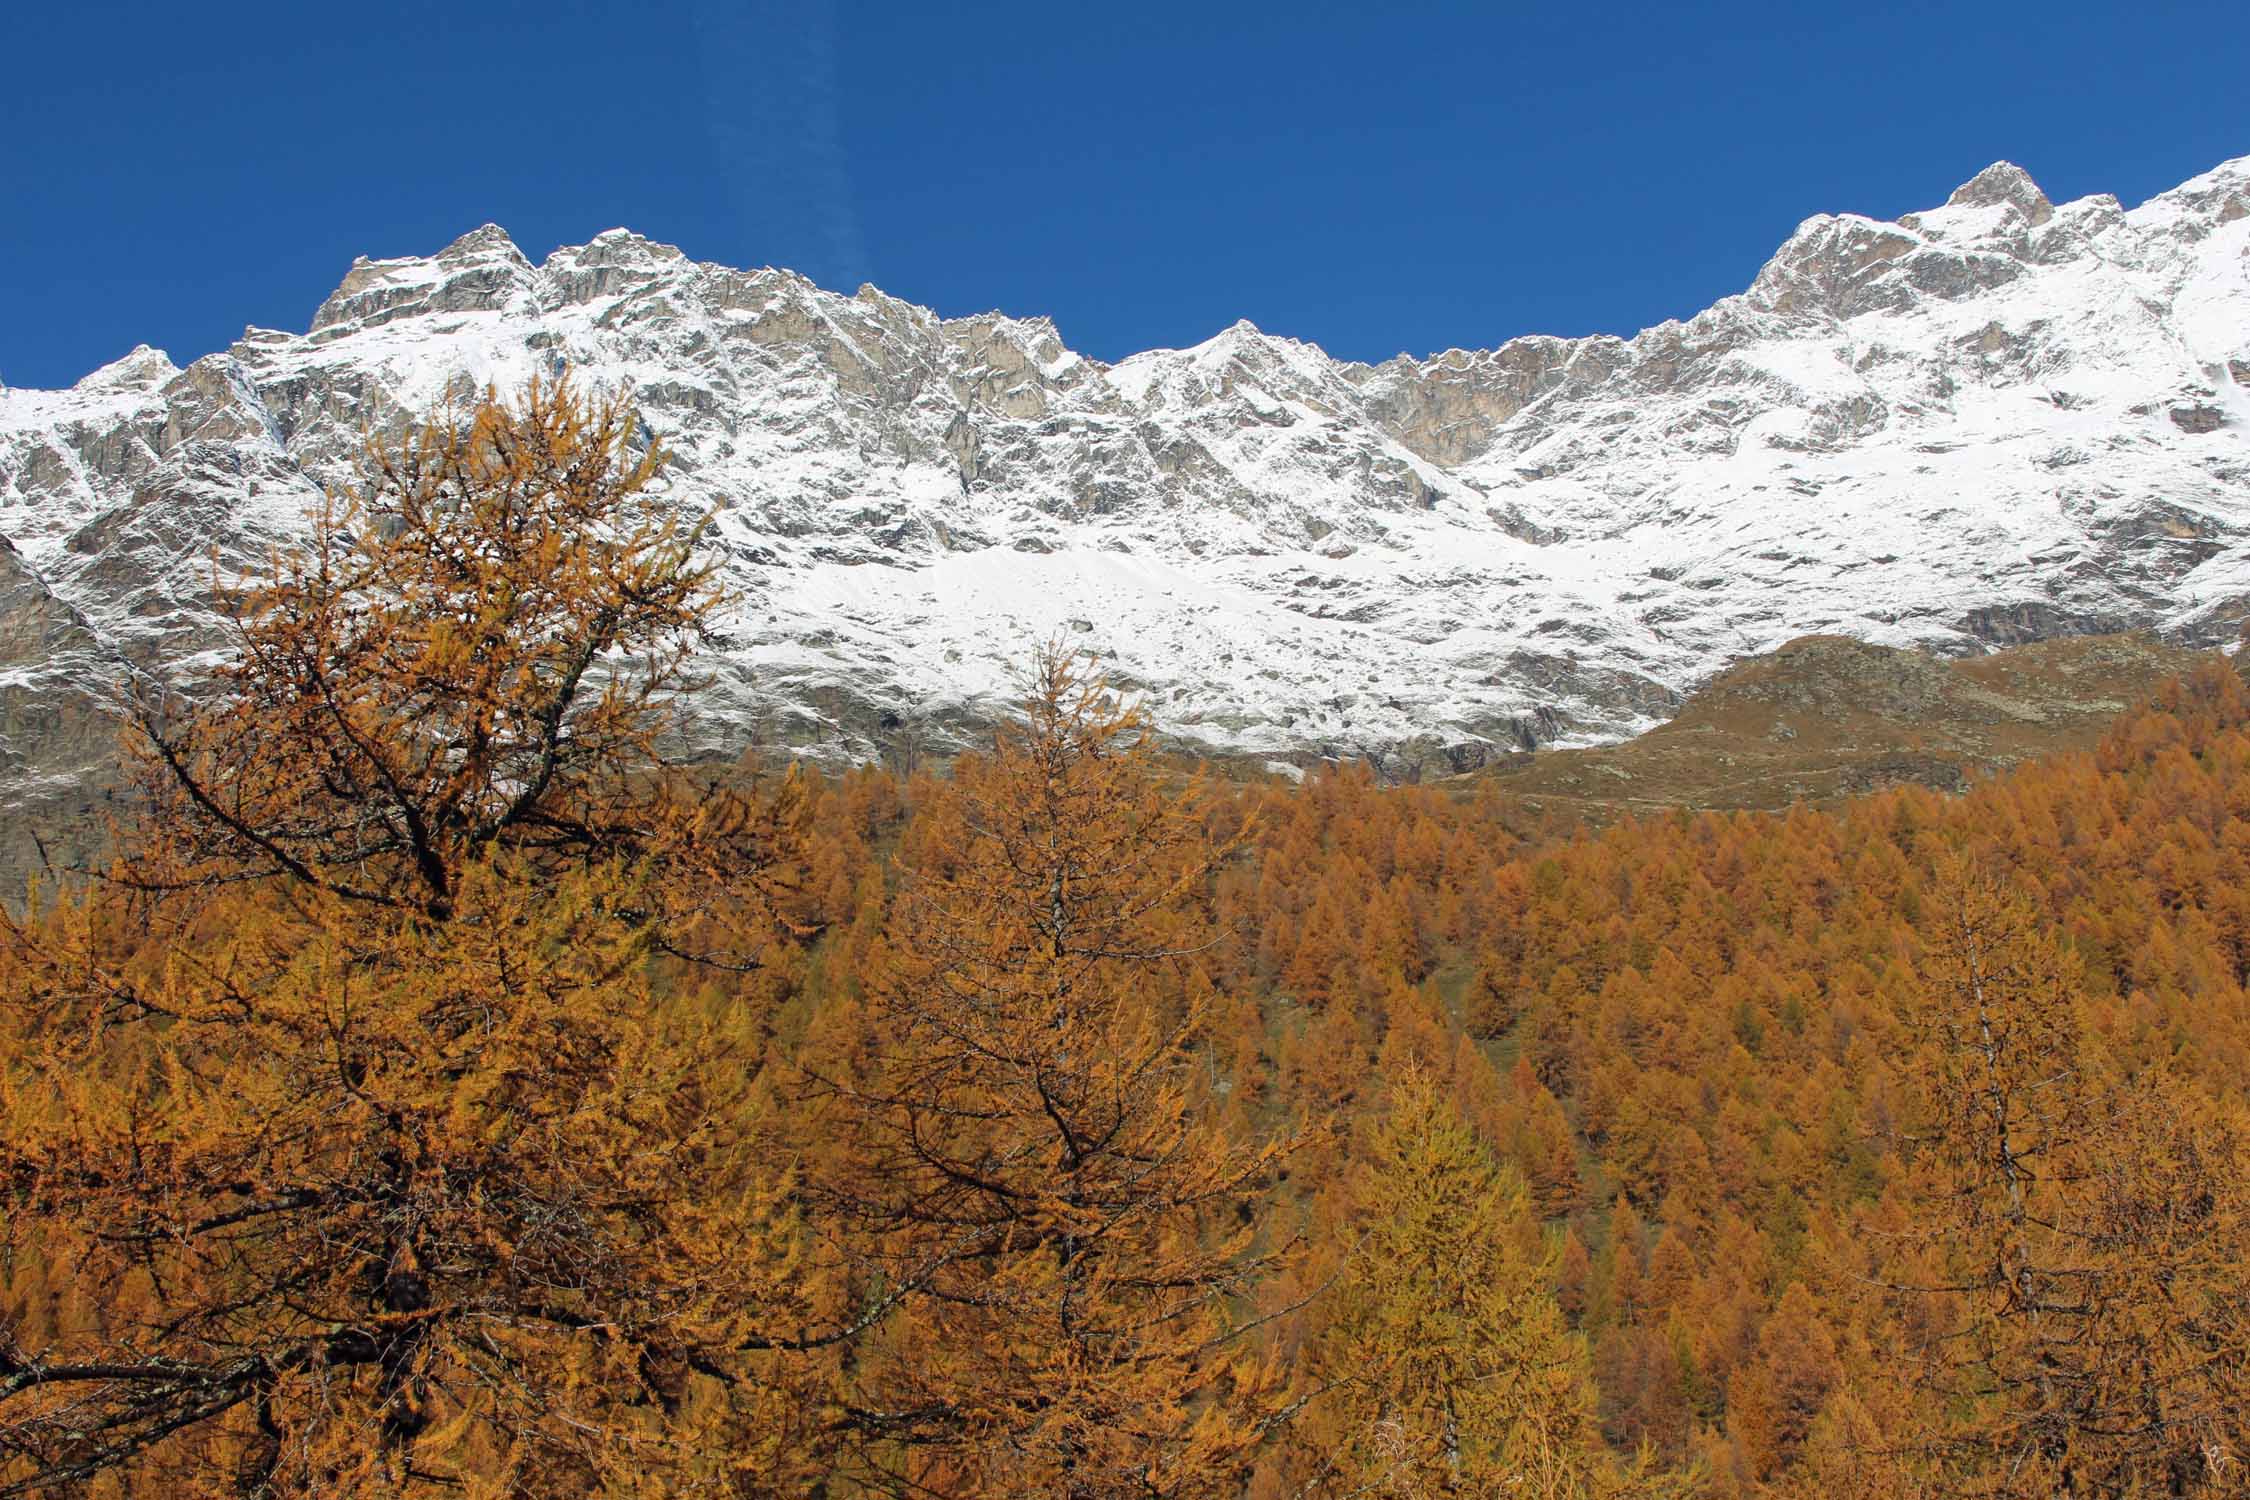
column 1825, row 717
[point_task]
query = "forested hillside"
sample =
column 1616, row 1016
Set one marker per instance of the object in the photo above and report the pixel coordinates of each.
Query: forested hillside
column 445, row 1096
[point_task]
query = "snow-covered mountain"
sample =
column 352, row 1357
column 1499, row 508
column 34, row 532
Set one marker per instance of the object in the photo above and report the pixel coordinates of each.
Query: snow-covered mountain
column 1997, row 420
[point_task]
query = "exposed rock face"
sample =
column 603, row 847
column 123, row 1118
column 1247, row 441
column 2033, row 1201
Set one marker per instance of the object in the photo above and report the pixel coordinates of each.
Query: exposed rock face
column 1994, row 421
column 58, row 726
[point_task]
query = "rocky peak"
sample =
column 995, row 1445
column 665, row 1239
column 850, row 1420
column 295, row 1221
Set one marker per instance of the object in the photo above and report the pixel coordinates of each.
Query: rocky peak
column 1259, row 372
column 2203, row 205
column 486, row 242
column 482, row 271
column 145, row 369
column 2004, row 183
column 613, row 263
column 1834, row 265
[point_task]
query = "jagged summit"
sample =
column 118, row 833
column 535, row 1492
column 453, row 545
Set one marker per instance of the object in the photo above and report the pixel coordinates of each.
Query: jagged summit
column 1995, row 420
column 2004, row 183
column 144, row 369
column 485, row 240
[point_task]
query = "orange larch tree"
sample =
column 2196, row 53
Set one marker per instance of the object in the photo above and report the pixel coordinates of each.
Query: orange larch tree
column 1446, row 1365
column 1041, row 1155
column 2088, row 1319
column 351, row 1082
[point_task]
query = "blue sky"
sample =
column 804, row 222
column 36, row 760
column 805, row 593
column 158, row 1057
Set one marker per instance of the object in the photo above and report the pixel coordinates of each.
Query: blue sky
column 1371, row 176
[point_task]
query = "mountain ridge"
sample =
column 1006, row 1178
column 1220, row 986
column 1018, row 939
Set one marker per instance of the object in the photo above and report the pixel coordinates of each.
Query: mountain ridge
column 1997, row 420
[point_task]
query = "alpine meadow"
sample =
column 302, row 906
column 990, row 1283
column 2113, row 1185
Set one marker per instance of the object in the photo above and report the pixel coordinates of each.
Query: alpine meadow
column 458, row 1082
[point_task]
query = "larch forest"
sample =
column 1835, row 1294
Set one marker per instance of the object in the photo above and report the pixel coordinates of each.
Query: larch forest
column 446, row 1091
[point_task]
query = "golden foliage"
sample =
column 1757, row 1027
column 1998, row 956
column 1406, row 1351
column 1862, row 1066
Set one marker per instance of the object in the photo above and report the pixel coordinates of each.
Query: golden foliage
column 482, row 651
column 1448, row 1367
column 376, row 1198
column 350, row 1085
column 1040, row 1155
column 2089, row 1310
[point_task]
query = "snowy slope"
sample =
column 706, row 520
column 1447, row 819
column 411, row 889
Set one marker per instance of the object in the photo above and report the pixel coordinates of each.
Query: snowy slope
column 1996, row 420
